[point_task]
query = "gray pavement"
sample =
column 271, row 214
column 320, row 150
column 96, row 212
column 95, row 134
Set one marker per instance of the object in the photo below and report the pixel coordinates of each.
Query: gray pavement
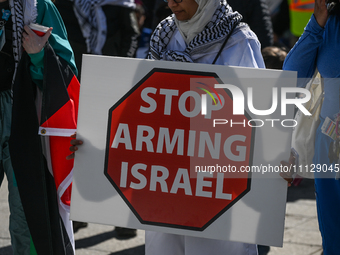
column 301, row 236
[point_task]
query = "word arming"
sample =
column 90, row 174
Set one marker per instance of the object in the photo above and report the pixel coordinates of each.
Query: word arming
column 145, row 136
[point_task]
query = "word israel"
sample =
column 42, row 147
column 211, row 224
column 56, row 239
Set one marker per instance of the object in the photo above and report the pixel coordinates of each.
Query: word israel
column 160, row 176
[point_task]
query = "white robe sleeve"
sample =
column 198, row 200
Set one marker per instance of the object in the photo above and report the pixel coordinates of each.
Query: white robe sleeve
column 242, row 49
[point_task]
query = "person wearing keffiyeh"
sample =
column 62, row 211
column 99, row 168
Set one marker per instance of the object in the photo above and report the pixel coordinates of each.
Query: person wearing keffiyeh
column 195, row 33
column 101, row 27
column 23, row 52
column 199, row 39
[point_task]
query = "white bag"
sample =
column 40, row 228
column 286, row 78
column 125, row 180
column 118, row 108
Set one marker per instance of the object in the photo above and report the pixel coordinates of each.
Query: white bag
column 303, row 137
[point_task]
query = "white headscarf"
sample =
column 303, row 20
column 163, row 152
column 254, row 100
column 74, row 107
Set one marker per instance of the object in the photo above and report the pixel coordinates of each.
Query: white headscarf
column 190, row 28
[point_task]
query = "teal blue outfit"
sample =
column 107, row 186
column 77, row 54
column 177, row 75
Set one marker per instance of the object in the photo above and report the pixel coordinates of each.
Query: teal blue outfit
column 58, row 40
column 317, row 47
column 47, row 16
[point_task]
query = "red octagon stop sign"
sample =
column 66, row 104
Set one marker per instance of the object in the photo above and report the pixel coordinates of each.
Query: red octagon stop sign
column 167, row 160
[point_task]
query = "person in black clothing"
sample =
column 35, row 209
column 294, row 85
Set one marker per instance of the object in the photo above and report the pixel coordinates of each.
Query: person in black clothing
column 119, row 39
column 23, row 68
column 255, row 13
column 119, row 18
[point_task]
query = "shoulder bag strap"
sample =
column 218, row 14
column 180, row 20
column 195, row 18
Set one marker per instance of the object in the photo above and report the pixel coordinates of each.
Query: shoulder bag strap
column 224, row 43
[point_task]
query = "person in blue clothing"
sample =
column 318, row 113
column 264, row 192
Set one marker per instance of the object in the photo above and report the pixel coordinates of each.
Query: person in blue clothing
column 15, row 38
column 318, row 48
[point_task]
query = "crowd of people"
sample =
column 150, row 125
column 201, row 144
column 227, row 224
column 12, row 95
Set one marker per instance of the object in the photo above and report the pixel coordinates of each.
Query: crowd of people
column 248, row 33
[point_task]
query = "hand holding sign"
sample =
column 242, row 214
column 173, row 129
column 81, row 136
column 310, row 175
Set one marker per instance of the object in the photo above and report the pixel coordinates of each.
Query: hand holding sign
column 147, row 136
column 288, row 176
column 75, row 143
column 159, row 154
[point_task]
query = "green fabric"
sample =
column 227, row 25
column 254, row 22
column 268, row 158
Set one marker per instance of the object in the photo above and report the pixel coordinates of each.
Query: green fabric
column 37, row 67
column 20, row 235
column 37, row 59
column 15, row 184
column 49, row 16
column 32, row 248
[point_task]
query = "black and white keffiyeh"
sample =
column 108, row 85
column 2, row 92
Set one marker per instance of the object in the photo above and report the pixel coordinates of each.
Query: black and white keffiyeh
column 221, row 24
column 92, row 22
column 23, row 13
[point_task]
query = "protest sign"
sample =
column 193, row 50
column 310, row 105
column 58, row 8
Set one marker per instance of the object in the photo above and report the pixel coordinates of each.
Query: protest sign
column 164, row 150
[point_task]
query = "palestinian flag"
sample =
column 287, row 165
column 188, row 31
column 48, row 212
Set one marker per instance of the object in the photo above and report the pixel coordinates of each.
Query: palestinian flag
column 42, row 122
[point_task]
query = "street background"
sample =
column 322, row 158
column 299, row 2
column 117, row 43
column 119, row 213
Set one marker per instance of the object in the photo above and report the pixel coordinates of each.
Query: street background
column 301, row 236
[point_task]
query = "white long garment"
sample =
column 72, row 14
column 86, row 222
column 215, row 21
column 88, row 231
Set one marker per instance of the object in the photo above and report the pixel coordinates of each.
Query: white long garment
column 157, row 243
column 242, row 49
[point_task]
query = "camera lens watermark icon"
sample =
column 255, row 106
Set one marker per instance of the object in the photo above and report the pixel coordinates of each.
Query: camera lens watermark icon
column 204, row 97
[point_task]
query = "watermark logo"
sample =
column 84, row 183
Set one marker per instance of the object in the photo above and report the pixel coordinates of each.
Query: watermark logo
column 204, row 97
column 239, row 100
column 280, row 101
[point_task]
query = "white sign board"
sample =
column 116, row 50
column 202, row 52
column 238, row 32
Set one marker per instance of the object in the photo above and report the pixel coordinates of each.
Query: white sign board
column 155, row 135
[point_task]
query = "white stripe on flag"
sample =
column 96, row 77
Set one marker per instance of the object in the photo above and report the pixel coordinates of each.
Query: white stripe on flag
column 65, row 132
column 63, row 187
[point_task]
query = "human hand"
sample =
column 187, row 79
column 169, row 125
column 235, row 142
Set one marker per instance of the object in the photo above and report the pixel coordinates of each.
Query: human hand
column 288, row 176
column 33, row 43
column 320, row 12
column 74, row 148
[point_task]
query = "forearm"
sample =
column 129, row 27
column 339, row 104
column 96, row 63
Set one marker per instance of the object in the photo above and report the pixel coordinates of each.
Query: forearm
column 302, row 57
